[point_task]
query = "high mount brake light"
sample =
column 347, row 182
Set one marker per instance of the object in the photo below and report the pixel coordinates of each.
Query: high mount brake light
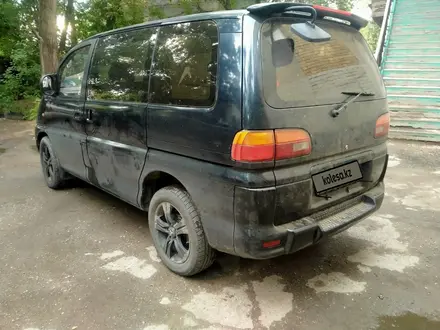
column 270, row 145
column 331, row 10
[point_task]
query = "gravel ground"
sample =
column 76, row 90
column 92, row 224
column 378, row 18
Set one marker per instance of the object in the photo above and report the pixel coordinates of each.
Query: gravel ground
column 81, row 259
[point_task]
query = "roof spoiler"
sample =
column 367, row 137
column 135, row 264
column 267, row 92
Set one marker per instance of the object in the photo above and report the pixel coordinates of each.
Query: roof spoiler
column 268, row 9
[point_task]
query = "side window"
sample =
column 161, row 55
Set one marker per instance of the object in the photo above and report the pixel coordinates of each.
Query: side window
column 185, row 65
column 120, row 67
column 72, row 72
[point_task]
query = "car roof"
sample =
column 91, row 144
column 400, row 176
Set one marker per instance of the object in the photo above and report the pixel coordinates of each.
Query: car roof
column 179, row 19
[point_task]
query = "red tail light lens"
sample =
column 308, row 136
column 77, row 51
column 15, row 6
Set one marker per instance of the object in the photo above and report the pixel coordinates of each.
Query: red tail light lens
column 292, row 143
column 382, row 125
column 331, row 10
column 260, row 146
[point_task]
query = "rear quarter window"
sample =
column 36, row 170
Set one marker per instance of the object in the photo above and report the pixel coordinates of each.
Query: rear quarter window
column 185, row 65
column 319, row 71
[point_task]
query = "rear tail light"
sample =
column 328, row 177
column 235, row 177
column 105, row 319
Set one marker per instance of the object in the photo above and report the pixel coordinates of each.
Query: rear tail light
column 260, row 146
column 331, row 10
column 292, row 143
column 382, row 125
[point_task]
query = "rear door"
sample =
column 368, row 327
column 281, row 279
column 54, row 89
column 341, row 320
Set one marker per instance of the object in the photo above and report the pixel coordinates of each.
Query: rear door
column 196, row 89
column 320, row 76
column 116, row 104
column 64, row 116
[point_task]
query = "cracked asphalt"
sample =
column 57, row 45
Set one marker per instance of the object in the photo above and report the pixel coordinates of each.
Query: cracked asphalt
column 81, row 259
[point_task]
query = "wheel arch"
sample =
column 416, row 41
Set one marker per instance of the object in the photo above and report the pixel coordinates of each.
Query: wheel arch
column 210, row 187
column 154, row 181
column 40, row 136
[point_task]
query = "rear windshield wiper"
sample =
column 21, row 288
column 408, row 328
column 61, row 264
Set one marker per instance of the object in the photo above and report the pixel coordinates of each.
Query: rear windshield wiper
column 335, row 112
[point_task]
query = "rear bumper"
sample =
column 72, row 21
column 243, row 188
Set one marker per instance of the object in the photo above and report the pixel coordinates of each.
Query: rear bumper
column 309, row 230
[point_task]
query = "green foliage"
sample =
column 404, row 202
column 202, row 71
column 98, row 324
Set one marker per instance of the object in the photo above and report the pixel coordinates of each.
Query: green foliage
column 26, row 109
column 156, row 12
column 97, row 16
column 187, row 7
column 344, row 4
column 371, row 34
column 197, row 6
column 20, row 50
column 9, row 26
column 32, row 112
column 22, row 77
column 228, row 4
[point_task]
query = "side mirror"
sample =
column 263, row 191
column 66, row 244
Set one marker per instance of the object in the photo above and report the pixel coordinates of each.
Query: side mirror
column 48, row 84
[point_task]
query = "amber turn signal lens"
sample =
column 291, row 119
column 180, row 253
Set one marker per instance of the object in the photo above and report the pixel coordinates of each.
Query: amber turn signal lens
column 253, row 146
column 382, row 126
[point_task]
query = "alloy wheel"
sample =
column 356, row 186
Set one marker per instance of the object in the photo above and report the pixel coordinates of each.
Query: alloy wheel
column 172, row 232
column 47, row 162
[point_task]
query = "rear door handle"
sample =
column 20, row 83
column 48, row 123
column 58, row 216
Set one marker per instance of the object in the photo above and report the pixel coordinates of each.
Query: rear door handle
column 89, row 119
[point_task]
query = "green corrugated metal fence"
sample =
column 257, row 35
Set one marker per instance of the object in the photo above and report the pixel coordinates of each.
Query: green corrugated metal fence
column 411, row 69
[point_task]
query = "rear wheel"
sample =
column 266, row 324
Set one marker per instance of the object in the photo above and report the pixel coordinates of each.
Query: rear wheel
column 52, row 171
column 177, row 232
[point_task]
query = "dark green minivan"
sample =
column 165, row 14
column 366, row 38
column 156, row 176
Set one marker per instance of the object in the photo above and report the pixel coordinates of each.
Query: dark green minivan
column 255, row 132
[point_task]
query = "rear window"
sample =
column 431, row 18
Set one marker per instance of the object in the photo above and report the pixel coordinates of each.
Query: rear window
column 299, row 73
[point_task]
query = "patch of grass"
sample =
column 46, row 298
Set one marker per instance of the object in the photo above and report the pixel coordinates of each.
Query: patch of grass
column 2, row 150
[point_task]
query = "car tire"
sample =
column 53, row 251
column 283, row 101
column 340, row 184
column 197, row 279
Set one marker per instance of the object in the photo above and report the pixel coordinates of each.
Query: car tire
column 178, row 233
column 52, row 171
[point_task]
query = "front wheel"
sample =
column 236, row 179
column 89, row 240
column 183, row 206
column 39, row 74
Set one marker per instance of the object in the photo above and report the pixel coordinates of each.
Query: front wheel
column 177, row 232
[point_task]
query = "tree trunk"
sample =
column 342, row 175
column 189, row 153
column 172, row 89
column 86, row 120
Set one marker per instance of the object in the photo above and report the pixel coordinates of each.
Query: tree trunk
column 63, row 37
column 73, row 32
column 70, row 16
column 48, row 34
column 69, row 20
